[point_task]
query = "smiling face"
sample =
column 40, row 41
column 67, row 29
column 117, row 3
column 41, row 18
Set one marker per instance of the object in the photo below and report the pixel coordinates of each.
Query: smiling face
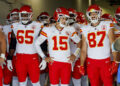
column 94, row 16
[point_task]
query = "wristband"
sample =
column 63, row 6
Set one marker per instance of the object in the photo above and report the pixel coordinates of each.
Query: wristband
column 76, row 53
column 3, row 56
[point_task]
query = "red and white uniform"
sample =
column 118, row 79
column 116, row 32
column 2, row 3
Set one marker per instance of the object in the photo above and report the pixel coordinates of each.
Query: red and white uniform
column 97, row 40
column 27, row 61
column 58, row 42
column 98, row 52
column 6, row 72
column 59, row 49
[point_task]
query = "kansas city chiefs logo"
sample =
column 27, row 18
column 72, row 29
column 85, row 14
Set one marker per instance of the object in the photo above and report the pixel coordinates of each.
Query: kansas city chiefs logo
column 104, row 27
column 58, row 10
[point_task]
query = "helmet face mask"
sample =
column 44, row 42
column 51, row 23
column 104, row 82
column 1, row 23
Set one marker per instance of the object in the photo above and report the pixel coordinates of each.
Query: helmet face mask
column 25, row 14
column 25, row 17
column 44, row 19
column 94, row 17
column 117, row 18
column 72, row 15
column 15, row 17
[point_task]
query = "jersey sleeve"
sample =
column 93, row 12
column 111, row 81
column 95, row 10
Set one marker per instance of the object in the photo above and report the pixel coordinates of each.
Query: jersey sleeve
column 44, row 32
column 41, row 39
column 74, row 36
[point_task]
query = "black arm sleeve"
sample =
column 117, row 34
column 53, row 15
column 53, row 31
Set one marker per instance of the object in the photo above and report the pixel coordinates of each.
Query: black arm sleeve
column 12, row 47
column 13, row 43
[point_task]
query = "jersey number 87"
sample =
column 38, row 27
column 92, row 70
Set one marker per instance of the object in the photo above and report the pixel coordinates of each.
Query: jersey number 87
column 92, row 39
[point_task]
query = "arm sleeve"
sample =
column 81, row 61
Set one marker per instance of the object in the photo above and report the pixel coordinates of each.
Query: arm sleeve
column 12, row 47
column 39, row 41
column 74, row 36
column 13, row 42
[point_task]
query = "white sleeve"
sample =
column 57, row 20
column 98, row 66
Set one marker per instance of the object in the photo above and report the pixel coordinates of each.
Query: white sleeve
column 38, row 42
column 74, row 36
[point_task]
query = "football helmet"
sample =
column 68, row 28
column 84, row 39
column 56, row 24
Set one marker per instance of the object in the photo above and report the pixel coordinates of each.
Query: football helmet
column 81, row 17
column 72, row 13
column 44, row 17
column 107, row 16
column 117, row 15
column 94, row 9
column 14, row 15
column 25, row 14
column 61, row 13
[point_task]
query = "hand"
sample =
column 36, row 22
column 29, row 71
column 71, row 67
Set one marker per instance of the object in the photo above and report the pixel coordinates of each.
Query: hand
column 9, row 65
column 82, row 70
column 2, row 60
column 4, row 63
column 49, row 59
column 43, row 65
column 72, row 58
column 114, row 68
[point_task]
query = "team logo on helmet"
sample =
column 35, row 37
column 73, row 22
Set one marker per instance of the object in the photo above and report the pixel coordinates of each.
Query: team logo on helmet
column 58, row 10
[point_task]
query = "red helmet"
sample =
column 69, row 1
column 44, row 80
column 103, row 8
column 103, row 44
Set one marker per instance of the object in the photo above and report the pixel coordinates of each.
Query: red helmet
column 25, row 14
column 25, row 9
column 72, row 12
column 117, row 15
column 44, row 14
column 43, row 17
column 94, row 8
column 80, row 17
column 60, row 12
column 14, row 11
column 107, row 16
column 14, row 15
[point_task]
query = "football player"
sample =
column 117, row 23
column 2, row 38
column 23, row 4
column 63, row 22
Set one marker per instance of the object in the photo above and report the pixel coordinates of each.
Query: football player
column 9, row 69
column 60, row 57
column 97, row 40
column 78, row 79
column 24, row 34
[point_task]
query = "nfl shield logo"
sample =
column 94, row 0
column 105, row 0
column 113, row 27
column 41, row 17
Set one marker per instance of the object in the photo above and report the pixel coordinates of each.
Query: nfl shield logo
column 33, row 27
column 103, row 27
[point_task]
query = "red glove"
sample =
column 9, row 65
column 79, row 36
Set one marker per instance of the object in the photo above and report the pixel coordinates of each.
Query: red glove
column 114, row 67
column 82, row 70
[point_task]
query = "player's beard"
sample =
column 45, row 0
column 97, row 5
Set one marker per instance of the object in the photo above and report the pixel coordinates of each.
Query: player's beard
column 62, row 25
